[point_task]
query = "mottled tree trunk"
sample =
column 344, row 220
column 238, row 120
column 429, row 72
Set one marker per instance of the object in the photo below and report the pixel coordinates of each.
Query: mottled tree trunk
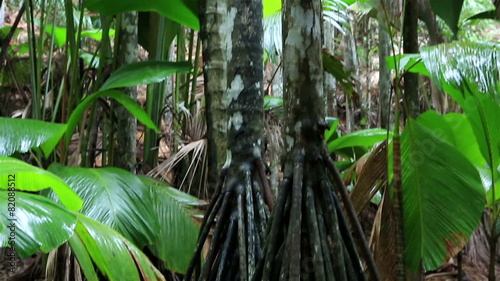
column 329, row 83
column 351, row 64
column 410, row 46
column 235, row 111
column 216, row 27
column 126, row 123
column 309, row 238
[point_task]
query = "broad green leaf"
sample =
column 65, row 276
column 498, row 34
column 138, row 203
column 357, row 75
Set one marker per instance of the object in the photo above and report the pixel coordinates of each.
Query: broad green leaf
column 465, row 141
column 484, row 116
column 144, row 72
column 491, row 14
column 116, row 257
column 452, row 65
column 83, row 256
column 185, row 200
column 407, row 62
column 178, row 233
column 449, row 11
column 336, row 68
column 477, row 10
column 20, row 175
column 116, row 198
column 331, row 133
column 39, row 223
column 91, row 60
column 272, row 103
column 271, row 7
column 443, row 198
column 59, row 34
column 455, row 129
column 24, row 134
column 120, row 97
column 4, row 31
column 96, row 34
column 364, row 138
column 184, row 12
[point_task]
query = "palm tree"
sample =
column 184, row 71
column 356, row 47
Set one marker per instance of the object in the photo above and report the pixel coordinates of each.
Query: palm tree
column 233, row 61
column 308, row 238
column 126, row 124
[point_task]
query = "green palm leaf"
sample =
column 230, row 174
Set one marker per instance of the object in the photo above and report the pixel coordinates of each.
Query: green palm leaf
column 23, row 176
column 144, row 72
column 452, row 65
column 40, row 223
column 115, row 198
column 116, row 257
column 178, row 232
column 182, row 11
column 443, row 197
column 24, row 134
column 126, row 101
column 469, row 73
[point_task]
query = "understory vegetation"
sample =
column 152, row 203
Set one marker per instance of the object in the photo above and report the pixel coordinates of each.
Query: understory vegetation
column 250, row 140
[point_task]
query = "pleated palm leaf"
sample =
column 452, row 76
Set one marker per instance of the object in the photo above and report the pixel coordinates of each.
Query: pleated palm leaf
column 448, row 161
column 468, row 71
column 36, row 223
column 120, row 213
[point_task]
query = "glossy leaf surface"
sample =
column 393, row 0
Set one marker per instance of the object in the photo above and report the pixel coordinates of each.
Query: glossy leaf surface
column 116, row 257
column 127, row 102
column 178, row 233
column 143, row 73
column 23, row 176
column 182, row 11
column 115, row 198
column 363, row 138
column 40, row 223
column 24, row 134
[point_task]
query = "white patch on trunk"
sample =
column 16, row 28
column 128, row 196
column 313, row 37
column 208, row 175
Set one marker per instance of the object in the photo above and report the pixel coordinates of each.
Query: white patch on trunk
column 298, row 127
column 228, row 159
column 289, row 143
column 234, row 90
column 226, row 30
column 301, row 20
column 256, row 151
column 236, row 120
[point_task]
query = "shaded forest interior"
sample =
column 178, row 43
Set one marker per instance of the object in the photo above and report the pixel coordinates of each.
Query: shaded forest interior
column 250, row 140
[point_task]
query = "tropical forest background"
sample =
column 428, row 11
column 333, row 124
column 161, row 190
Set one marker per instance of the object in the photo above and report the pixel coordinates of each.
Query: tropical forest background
column 118, row 161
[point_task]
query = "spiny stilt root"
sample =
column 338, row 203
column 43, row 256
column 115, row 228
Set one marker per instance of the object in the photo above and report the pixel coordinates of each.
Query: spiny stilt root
column 238, row 214
column 308, row 237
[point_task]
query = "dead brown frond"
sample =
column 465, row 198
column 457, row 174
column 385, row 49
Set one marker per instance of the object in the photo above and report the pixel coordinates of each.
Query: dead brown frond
column 192, row 154
column 372, row 176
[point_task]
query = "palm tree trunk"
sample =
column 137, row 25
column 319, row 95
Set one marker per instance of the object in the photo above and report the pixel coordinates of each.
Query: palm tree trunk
column 309, row 238
column 235, row 90
column 214, row 41
column 126, row 124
